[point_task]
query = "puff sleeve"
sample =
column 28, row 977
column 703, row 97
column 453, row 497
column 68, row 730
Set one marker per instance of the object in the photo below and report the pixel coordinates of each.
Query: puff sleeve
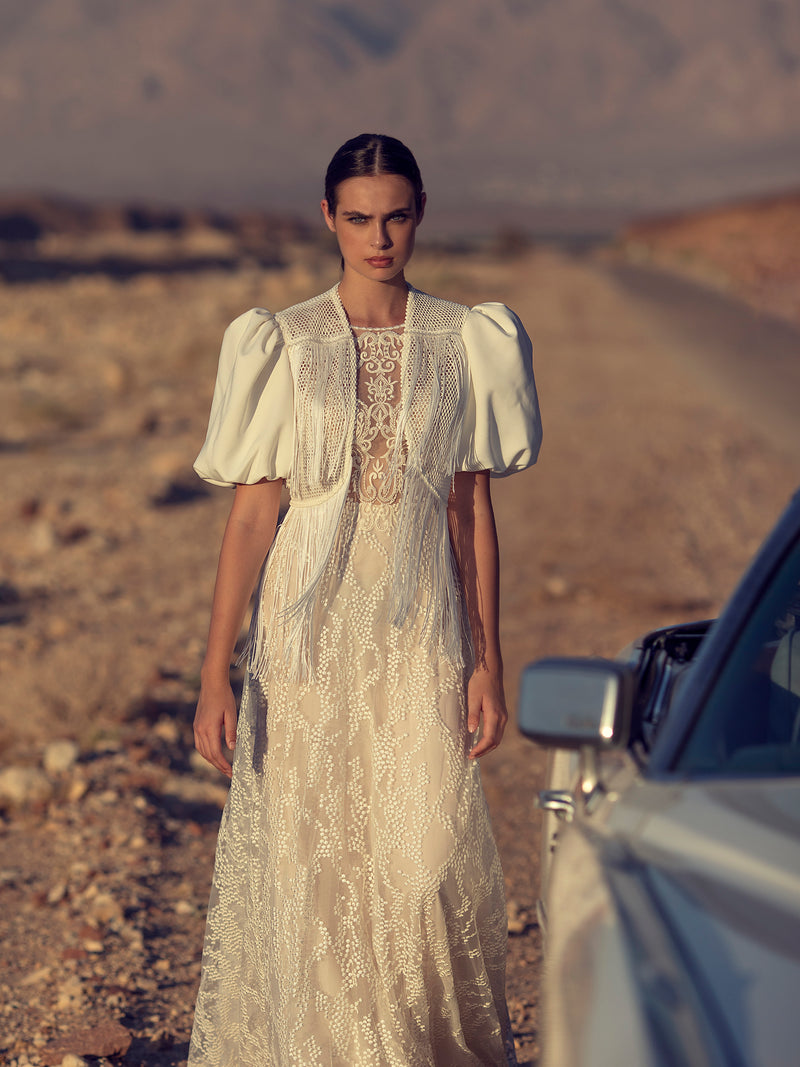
column 251, row 426
column 502, row 430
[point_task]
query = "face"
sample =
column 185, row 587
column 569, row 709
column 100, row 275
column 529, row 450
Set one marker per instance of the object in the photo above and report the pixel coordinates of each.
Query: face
column 375, row 224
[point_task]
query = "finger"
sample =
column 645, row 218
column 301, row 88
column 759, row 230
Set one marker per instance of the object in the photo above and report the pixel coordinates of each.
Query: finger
column 493, row 727
column 474, row 715
column 210, row 748
column 230, row 728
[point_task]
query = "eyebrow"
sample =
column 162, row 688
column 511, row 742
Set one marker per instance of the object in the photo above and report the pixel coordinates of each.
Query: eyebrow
column 366, row 215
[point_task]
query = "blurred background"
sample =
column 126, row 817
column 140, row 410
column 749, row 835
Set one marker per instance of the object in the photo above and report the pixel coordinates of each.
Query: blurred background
column 624, row 174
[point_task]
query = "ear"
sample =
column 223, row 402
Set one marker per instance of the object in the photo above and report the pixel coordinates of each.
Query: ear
column 329, row 219
column 423, row 202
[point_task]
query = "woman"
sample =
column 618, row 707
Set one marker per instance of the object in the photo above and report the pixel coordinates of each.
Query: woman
column 357, row 914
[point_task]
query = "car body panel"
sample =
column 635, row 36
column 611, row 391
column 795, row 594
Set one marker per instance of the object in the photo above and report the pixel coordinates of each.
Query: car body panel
column 673, row 894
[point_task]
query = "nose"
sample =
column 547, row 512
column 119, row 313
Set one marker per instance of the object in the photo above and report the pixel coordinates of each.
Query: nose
column 381, row 238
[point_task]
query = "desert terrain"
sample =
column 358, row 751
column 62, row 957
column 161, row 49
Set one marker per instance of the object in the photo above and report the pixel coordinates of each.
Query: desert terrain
column 653, row 490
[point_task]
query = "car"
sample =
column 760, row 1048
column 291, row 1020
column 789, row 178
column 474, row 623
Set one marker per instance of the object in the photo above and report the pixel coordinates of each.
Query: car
column 670, row 896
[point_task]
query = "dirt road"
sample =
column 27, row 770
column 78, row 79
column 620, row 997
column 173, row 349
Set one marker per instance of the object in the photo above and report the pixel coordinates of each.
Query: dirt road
column 652, row 491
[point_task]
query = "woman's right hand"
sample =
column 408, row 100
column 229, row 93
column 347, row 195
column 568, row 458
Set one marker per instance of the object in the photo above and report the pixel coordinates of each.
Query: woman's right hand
column 215, row 717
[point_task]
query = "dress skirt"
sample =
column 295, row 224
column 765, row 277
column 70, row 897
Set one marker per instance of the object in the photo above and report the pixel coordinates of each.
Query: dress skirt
column 357, row 914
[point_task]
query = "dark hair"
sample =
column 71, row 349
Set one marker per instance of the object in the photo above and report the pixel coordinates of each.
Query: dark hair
column 367, row 155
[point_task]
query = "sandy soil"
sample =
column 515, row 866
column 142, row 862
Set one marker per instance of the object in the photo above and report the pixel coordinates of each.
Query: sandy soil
column 749, row 249
column 651, row 494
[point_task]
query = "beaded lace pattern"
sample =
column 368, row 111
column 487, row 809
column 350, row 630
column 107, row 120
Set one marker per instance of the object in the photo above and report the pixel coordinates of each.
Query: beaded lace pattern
column 357, row 914
column 376, row 476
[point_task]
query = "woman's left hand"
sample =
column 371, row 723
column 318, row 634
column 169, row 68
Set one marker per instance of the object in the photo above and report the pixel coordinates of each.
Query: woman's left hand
column 486, row 706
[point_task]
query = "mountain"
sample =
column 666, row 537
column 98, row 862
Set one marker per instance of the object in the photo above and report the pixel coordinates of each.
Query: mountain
column 616, row 104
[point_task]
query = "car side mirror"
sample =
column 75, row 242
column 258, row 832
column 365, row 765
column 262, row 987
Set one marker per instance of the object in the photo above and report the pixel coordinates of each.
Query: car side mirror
column 576, row 703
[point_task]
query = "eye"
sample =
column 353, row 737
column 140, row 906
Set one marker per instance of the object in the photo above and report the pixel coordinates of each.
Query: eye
column 400, row 217
column 357, row 219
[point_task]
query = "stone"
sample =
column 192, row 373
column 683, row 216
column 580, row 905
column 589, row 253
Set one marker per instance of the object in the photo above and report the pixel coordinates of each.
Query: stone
column 24, row 785
column 71, row 1060
column 167, row 730
column 59, row 756
column 105, row 908
column 516, row 921
column 43, row 537
column 57, row 627
column 70, row 996
column 56, row 893
column 40, row 974
column 104, row 1039
column 76, row 789
column 556, row 587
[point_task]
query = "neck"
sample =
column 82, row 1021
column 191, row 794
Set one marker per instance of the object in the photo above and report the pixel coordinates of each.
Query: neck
column 369, row 303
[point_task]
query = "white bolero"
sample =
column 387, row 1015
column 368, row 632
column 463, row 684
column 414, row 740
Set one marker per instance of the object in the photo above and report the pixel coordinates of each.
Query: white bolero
column 251, row 427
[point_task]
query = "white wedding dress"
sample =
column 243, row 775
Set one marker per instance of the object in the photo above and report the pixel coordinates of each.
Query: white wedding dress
column 357, row 914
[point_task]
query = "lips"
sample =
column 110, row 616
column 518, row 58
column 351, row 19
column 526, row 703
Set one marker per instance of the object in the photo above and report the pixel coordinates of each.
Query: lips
column 380, row 261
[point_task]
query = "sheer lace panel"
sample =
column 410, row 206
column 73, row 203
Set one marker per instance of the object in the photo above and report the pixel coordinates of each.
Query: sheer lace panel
column 376, row 472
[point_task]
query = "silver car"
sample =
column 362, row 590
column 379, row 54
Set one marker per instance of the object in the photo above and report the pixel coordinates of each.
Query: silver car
column 671, row 866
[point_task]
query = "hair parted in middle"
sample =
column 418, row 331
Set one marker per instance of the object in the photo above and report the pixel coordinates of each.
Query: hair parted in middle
column 367, row 155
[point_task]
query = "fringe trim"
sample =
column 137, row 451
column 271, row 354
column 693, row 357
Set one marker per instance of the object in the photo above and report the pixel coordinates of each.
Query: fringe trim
column 435, row 389
column 282, row 628
column 423, row 547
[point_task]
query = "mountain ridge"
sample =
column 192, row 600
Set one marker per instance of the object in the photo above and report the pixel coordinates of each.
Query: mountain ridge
column 609, row 103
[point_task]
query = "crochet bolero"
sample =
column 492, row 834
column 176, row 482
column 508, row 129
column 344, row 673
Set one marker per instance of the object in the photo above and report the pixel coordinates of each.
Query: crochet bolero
column 252, row 427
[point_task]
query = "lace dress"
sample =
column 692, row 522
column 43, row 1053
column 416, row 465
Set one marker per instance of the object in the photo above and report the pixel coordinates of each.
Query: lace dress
column 357, row 916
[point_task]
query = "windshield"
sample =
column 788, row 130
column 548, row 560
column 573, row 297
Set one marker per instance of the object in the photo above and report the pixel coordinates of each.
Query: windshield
column 751, row 722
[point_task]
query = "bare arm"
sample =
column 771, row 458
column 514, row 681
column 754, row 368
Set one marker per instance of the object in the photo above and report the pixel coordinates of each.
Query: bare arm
column 248, row 535
column 474, row 538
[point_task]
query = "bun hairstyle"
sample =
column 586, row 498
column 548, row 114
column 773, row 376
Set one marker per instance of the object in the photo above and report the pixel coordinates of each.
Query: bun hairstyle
column 367, row 155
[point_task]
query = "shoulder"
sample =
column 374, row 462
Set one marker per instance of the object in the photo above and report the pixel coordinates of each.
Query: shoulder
column 320, row 316
column 257, row 323
column 492, row 316
column 474, row 323
column 252, row 337
column 432, row 313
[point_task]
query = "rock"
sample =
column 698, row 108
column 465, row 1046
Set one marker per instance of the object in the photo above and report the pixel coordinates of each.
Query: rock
column 43, row 538
column 556, row 587
column 194, row 791
column 59, row 756
column 168, row 465
column 105, row 908
column 56, row 893
column 24, row 785
column 70, row 997
column 77, row 788
column 105, row 1039
column 40, row 974
column 116, row 377
column 516, row 921
column 71, row 1060
column 167, row 730
column 57, row 627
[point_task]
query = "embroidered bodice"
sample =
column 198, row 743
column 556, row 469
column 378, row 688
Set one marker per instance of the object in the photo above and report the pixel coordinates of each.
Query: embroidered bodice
column 376, row 479
column 302, row 395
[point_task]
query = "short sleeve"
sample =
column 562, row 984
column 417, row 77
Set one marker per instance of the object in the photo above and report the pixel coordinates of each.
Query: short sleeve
column 251, row 426
column 502, row 430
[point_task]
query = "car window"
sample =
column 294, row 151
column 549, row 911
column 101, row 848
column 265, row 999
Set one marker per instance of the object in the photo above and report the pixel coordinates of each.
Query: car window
column 750, row 724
